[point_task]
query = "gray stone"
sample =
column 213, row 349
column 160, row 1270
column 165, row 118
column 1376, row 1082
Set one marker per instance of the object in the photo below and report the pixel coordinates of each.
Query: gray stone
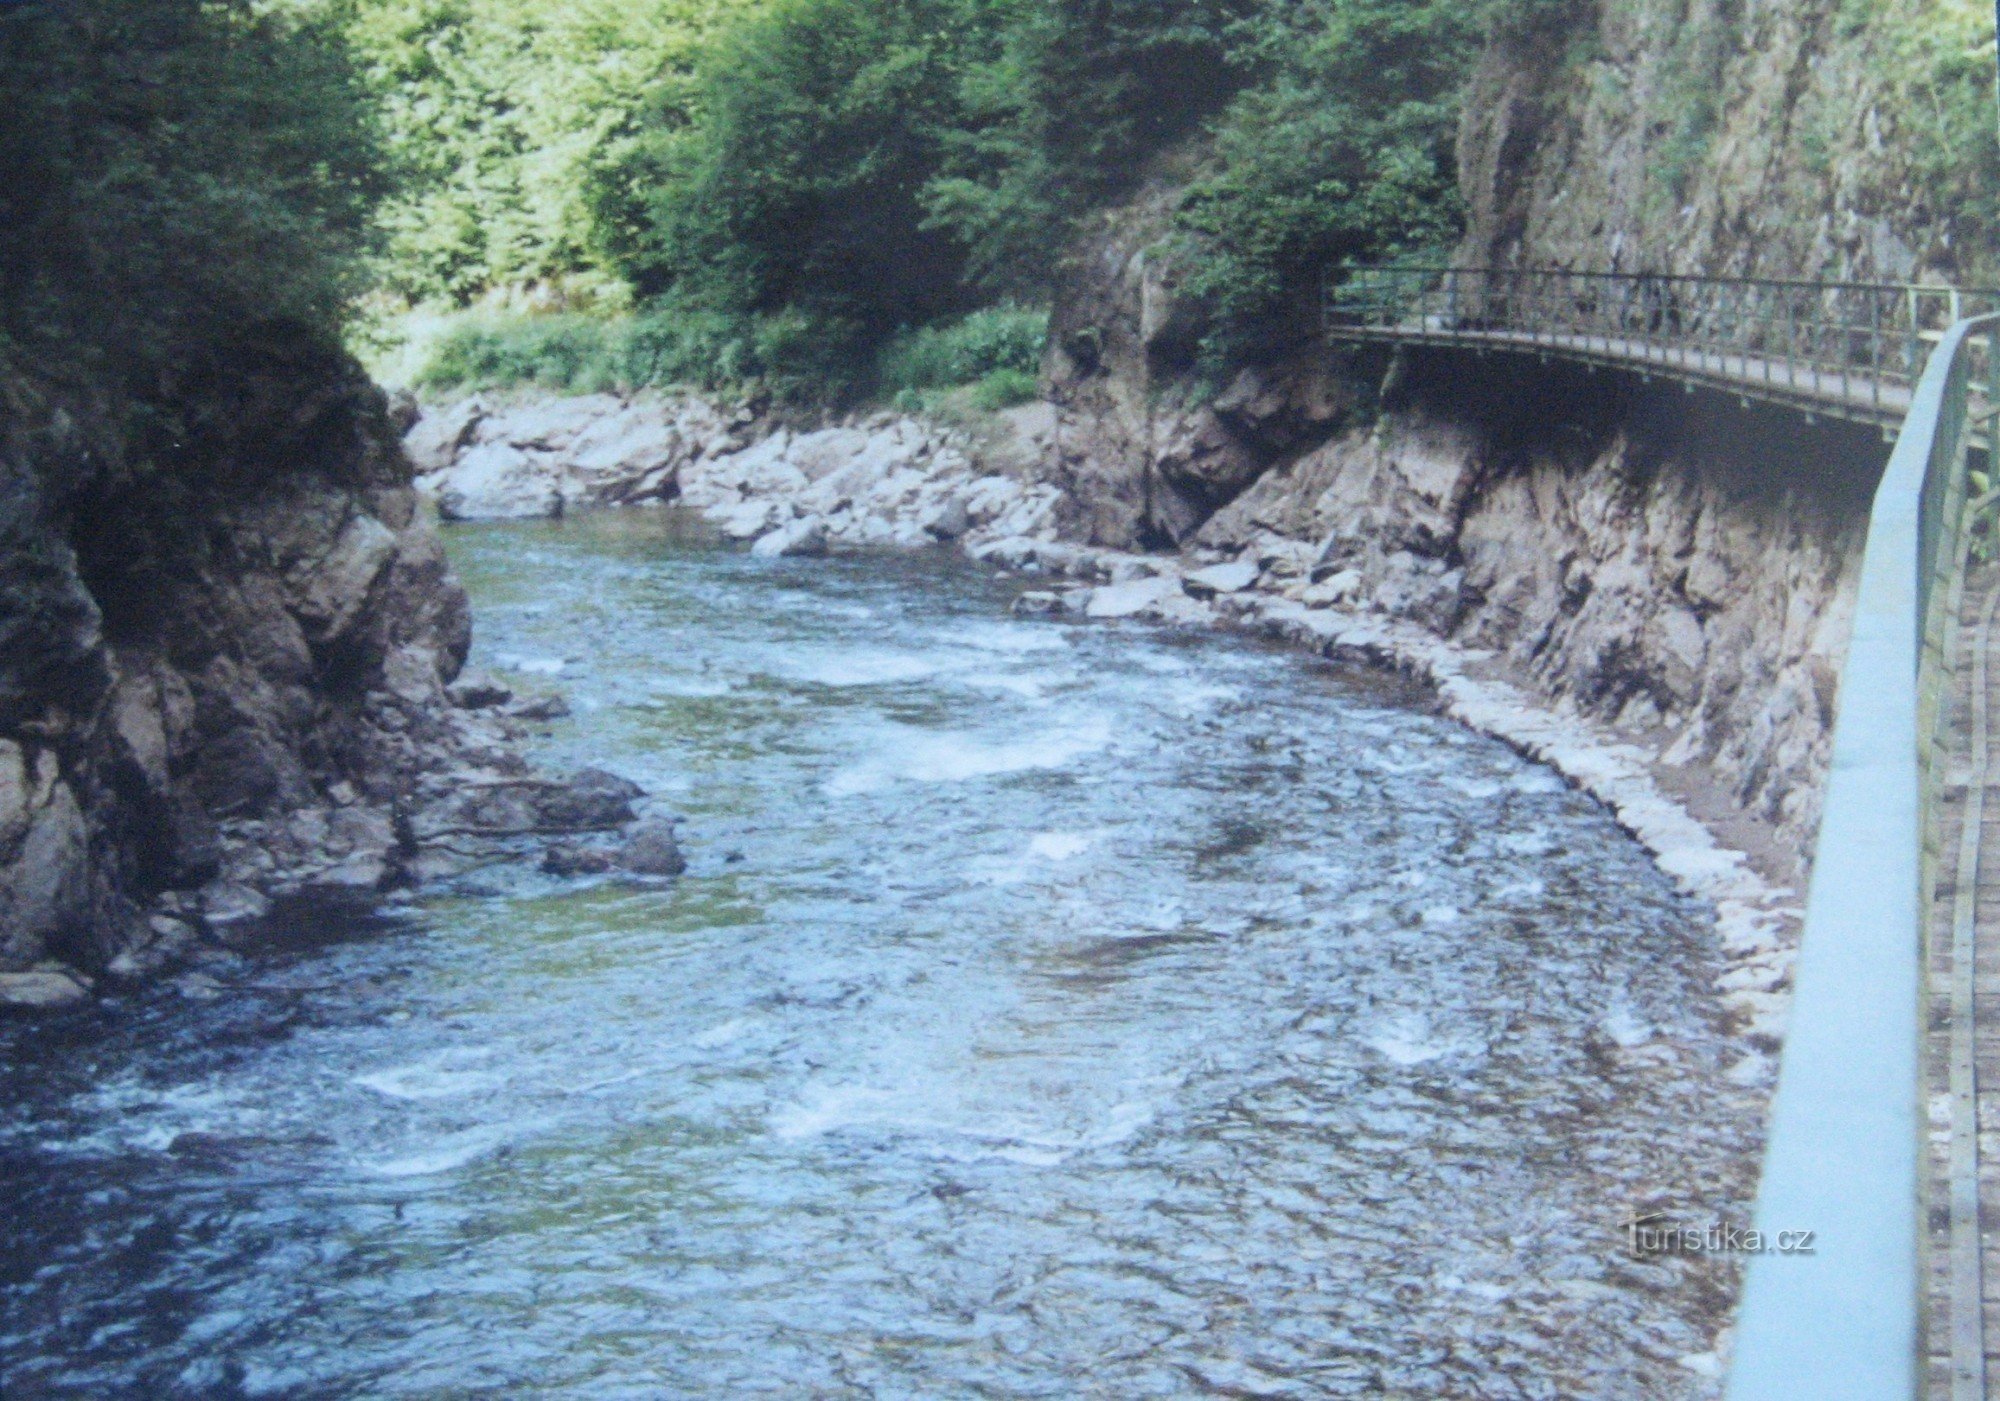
column 539, row 708
column 951, row 521
column 41, row 990
column 234, row 913
column 653, row 850
column 163, row 942
column 478, row 691
column 1037, row 603
column 439, row 435
column 1130, row 599
column 804, row 538
column 499, row 481
column 565, row 860
column 1222, row 578
column 589, row 800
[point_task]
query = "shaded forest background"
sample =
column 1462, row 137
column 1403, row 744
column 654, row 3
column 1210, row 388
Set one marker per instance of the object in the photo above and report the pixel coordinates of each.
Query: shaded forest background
column 836, row 198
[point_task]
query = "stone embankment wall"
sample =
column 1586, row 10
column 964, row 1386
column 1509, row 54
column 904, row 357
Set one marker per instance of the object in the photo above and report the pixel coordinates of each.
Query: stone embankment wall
column 226, row 697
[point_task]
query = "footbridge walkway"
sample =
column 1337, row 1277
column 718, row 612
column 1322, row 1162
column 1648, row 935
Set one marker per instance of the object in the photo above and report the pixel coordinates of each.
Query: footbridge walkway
column 1892, row 1058
column 1853, row 350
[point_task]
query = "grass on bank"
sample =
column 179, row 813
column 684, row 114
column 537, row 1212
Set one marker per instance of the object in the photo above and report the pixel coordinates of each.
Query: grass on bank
column 988, row 359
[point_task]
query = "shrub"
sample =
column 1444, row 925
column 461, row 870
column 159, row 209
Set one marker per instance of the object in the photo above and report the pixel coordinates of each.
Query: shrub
column 1003, row 389
column 582, row 353
column 1002, row 339
column 702, row 350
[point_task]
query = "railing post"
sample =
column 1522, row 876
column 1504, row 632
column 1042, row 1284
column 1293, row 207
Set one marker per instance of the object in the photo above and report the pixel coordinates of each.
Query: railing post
column 1916, row 340
column 1875, row 348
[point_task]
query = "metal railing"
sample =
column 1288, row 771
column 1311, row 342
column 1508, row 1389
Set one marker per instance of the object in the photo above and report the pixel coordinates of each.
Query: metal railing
column 1844, row 1156
column 1849, row 345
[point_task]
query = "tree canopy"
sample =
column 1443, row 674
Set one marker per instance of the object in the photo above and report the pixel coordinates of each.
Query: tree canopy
column 174, row 173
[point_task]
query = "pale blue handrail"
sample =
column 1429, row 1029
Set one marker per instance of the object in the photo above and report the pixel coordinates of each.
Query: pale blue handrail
column 1844, row 1156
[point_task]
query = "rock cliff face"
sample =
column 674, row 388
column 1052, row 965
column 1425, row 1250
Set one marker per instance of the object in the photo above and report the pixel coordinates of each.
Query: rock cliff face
column 1671, row 564
column 223, row 688
column 1668, row 563
column 1775, row 138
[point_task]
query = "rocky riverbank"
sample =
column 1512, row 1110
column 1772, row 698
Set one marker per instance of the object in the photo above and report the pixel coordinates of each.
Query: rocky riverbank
column 230, row 701
column 1300, row 554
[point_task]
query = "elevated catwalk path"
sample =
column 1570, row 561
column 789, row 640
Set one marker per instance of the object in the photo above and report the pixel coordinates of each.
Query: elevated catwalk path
column 1848, row 350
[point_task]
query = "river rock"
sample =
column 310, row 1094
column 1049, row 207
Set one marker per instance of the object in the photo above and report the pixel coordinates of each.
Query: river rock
column 627, row 456
column 804, row 538
column 1222, row 578
column 234, row 912
column 746, row 520
column 950, row 521
column 499, row 481
column 1131, row 599
column 539, row 708
column 435, row 440
column 1038, row 603
column 590, row 799
column 478, row 691
column 568, row 860
column 165, row 942
column 40, row 990
column 44, row 851
column 653, row 850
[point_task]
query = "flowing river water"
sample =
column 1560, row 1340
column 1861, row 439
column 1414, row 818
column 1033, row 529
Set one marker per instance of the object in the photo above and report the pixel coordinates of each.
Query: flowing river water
column 1051, row 1010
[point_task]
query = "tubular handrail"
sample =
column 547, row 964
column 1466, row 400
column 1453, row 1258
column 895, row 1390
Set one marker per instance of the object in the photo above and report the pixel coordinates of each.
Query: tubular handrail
column 1843, row 1158
column 1860, row 345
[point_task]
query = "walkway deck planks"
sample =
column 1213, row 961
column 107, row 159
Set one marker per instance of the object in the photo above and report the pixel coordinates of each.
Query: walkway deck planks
column 1947, row 1032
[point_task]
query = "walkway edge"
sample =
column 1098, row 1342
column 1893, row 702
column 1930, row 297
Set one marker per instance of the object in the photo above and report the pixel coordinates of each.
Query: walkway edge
column 1842, row 1158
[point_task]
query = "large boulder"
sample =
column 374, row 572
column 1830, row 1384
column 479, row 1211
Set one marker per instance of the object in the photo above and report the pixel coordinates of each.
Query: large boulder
column 434, row 442
column 1233, row 577
column 626, row 457
column 499, row 481
column 43, row 852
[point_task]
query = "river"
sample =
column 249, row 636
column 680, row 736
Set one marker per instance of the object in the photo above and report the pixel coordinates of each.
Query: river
column 1050, row 1010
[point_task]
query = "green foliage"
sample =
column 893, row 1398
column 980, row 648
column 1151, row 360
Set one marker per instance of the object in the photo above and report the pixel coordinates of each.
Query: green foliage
column 798, row 186
column 1062, row 112
column 586, row 354
column 1344, row 153
column 1003, row 389
column 1003, row 340
column 1937, row 59
column 797, row 357
column 1690, row 86
column 177, row 177
column 501, row 113
column 703, row 350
